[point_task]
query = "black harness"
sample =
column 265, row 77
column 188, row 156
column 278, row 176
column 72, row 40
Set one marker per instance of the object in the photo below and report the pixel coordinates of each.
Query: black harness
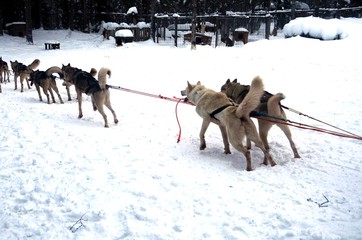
column 220, row 109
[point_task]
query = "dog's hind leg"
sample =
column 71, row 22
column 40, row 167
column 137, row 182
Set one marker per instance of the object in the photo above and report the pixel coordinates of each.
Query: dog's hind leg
column 45, row 90
column 264, row 128
column 109, row 106
column 51, row 94
column 252, row 134
column 38, row 90
column 27, row 82
column 101, row 111
column 288, row 134
column 68, row 93
column 53, row 86
column 204, row 126
column 225, row 139
column 79, row 98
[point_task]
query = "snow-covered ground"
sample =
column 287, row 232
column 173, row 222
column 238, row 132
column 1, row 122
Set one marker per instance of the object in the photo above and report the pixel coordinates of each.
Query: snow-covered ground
column 67, row 178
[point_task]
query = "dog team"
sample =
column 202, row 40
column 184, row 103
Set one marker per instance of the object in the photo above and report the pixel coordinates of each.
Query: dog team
column 84, row 82
column 230, row 108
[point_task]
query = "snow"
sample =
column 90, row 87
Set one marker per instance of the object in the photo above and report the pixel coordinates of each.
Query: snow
column 132, row 10
column 68, row 178
column 124, row 33
column 314, row 27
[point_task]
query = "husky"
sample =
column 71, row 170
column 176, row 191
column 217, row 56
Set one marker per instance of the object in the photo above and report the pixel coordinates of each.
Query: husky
column 23, row 71
column 269, row 104
column 93, row 72
column 84, row 82
column 4, row 71
column 233, row 120
column 46, row 81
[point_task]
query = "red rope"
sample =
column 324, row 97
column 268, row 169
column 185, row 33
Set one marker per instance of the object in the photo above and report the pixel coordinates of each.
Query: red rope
column 178, row 122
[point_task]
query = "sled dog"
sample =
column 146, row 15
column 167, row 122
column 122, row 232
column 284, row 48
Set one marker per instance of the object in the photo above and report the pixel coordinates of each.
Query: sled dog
column 269, row 104
column 46, row 81
column 233, row 120
column 23, row 71
column 84, row 82
column 4, row 71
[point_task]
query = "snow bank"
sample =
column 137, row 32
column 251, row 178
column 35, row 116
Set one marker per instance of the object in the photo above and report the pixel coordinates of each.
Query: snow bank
column 313, row 27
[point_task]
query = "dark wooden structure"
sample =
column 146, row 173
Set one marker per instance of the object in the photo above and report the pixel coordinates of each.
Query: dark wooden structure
column 201, row 38
column 241, row 34
column 52, row 45
column 17, row 29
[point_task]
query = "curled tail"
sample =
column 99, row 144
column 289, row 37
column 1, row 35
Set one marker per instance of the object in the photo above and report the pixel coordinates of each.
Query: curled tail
column 102, row 77
column 252, row 99
column 52, row 70
column 274, row 108
column 34, row 64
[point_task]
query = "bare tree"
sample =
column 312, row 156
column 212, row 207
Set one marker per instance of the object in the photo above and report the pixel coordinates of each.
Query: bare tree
column 29, row 25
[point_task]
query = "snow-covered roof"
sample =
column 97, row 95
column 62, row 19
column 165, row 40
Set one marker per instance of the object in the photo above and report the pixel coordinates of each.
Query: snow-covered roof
column 124, row 33
column 132, row 10
column 325, row 29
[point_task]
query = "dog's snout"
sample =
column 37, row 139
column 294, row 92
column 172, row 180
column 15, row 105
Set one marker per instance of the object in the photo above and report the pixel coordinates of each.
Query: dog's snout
column 183, row 93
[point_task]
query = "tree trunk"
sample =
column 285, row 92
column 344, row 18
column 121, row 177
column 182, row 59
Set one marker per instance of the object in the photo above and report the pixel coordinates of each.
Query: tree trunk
column 29, row 30
column 193, row 34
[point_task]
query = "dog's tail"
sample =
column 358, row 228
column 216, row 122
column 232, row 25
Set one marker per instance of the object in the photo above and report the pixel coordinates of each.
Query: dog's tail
column 52, row 70
column 252, row 99
column 102, row 77
column 34, row 64
column 274, row 108
column 93, row 71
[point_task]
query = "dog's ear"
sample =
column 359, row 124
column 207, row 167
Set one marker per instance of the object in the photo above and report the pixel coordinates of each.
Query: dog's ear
column 189, row 86
column 227, row 81
column 235, row 80
column 198, row 83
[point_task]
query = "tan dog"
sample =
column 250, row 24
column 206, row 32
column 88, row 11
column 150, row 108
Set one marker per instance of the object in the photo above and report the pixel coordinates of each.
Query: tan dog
column 46, row 81
column 23, row 71
column 269, row 104
column 84, row 82
column 233, row 120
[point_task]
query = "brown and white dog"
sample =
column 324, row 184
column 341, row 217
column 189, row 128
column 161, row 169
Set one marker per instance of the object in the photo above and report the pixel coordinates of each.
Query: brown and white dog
column 84, row 82
column 233, row 120
column 46, row 81
column 23, row 71
column 269, row 104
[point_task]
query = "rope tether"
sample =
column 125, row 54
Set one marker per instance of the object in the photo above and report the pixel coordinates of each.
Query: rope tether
column 258, row 115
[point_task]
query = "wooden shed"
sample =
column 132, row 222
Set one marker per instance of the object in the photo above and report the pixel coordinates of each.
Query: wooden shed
column 16, row 29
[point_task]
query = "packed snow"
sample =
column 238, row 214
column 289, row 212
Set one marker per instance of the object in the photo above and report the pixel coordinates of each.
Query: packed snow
column 68, row 178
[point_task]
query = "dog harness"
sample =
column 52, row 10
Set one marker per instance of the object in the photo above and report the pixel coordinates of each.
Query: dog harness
column 220, row 109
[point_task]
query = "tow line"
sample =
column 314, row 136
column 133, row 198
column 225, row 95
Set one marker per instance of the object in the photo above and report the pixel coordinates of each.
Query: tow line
column 257, row 115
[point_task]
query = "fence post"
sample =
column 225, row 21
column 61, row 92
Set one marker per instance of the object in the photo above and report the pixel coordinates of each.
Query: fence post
column 267, row 26
column 216, row 31
column 176, row 29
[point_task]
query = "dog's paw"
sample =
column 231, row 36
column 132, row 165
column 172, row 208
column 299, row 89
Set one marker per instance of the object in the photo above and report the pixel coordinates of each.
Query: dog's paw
column 202, row 146
column 227, row 151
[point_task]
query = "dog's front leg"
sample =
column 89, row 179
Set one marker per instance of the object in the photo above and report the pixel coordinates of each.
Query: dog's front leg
column 204, row 126
column 225, row 139
column 68, row 93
